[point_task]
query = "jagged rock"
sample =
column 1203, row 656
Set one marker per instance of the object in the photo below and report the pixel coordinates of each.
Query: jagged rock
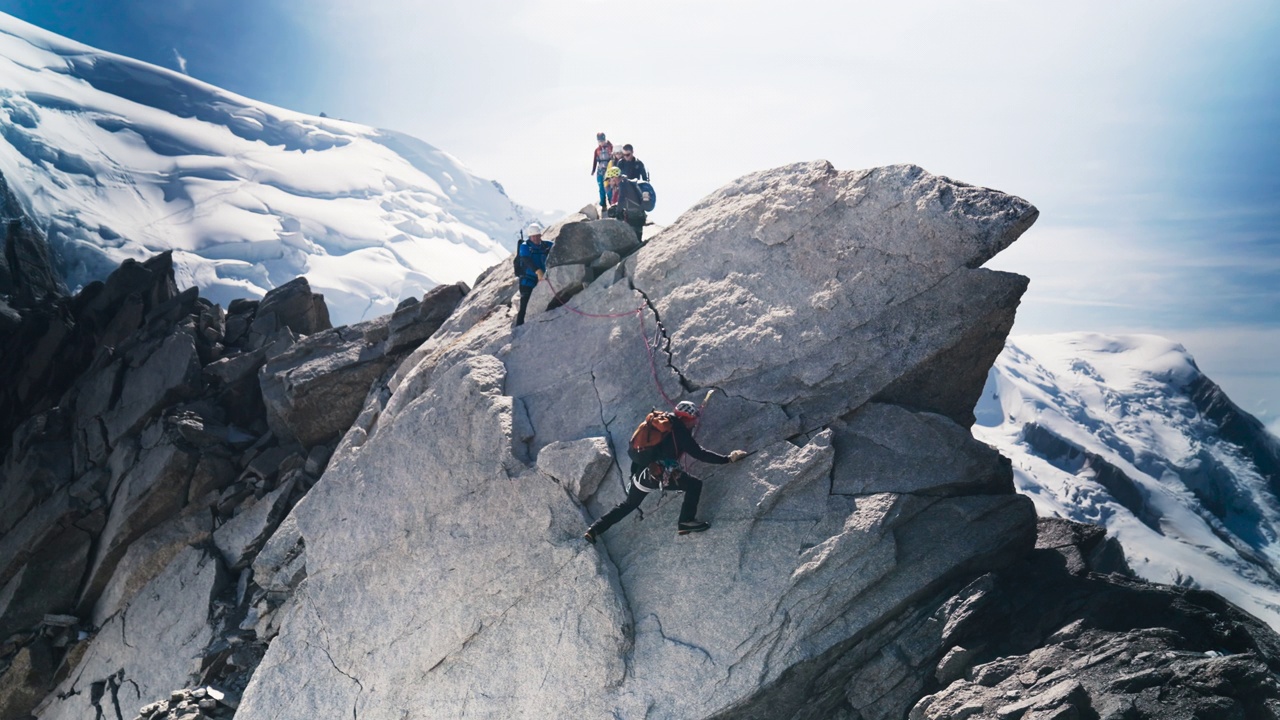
column 415, row 321
column 46, row 583
column 870, row 276
column 240, row 537
column 314, row 390
column 281, row 564
column 28, row 269
column 152, row 379
column 151, row 646
column 578, row 465
column 37, row 465
column 891, row 449
column 1084, row 548
column 291, row 305
column 152, row 490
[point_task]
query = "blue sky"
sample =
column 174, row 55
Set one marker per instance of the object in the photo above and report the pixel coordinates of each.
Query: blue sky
column 1148, row 133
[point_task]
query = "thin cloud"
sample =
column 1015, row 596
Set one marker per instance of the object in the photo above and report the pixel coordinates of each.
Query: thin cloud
column 181, row 61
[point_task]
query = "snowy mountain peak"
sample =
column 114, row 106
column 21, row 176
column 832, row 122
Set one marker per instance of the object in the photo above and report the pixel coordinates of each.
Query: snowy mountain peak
column 115, row 158
column 1126, row 432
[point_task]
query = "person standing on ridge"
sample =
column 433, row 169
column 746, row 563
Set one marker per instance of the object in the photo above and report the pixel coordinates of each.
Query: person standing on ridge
column 655, row 453
column 600, row 160
column 531, row 266
column 632, row 166
column 627, row 201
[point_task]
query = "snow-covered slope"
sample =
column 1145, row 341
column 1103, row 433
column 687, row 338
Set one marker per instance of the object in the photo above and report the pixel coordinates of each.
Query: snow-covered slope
column 115, row 159
column 1126, row 432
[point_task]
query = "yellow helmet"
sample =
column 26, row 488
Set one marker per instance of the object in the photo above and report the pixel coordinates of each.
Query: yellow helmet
column 612, row 172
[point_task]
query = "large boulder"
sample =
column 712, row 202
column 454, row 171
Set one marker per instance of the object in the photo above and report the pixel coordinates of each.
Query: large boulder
column 813, row 298
column 291, row 305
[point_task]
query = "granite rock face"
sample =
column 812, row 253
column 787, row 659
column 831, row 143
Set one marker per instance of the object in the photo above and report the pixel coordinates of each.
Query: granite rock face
column 820, row 304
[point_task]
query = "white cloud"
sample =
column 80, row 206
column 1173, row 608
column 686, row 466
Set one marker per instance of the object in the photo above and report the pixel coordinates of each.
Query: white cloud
column 181, row 61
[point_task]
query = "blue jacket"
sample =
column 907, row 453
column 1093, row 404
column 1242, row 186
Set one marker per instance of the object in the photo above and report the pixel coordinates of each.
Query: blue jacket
column 531, row 258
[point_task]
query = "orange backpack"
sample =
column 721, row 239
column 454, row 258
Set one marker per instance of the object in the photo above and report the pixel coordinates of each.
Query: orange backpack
column 651, row 431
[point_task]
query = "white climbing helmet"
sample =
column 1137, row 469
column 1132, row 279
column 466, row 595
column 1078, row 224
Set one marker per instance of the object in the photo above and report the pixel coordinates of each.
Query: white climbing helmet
column 534, row 229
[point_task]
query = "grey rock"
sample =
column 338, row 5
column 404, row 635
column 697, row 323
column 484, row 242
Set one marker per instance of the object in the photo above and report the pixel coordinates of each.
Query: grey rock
column 26, row 680
column 147, row 494
column 151, row 646
column 291, row 305
column 314, row 390
column 578, row 465
column 607, row 259
column 234, row 368
column 146, row 557
column 568, row 280
column 412, row 323
column 317, row 459
column 891, row 449
column 871, row 277
column 46, row 583
column 37, row 464
column 281, row 563
column 240, row 537
column 154, row 378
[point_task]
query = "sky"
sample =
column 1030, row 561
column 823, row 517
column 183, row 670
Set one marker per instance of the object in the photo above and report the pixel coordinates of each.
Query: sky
column 1147, row 133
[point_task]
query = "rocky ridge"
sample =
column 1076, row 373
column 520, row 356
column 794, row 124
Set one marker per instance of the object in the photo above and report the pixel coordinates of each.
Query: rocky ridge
column 869, row 560
column 157, row 441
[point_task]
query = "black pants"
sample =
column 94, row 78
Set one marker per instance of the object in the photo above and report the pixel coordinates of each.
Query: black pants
column 525, row 292
column 690, row 485
column 635, row 218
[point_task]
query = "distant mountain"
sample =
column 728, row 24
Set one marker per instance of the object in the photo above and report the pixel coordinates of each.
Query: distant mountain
column 1126, row 432
column 115, row 158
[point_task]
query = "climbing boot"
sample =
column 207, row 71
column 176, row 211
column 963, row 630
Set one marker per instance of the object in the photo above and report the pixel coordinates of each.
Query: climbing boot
column 685, row 528
column 589, row 537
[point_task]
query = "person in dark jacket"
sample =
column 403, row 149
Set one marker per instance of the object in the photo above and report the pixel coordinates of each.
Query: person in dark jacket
column 631, row 166
column 659, row 468
column 627, row 203
column 531, row 266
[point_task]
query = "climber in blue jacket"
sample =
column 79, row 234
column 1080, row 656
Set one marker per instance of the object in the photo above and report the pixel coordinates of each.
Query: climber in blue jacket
column 530, row 266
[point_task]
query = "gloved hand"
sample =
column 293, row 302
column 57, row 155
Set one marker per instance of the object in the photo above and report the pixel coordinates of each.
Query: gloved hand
column 737, row 455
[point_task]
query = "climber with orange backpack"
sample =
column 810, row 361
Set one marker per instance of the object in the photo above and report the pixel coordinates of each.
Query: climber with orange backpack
column 655, row 450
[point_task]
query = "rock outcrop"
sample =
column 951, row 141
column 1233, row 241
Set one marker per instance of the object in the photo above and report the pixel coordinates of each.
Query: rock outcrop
column 869, row 560
column 145, row 472
column 819, row 304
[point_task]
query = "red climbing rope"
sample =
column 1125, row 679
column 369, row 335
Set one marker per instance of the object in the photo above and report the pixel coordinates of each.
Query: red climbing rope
column 649, row 346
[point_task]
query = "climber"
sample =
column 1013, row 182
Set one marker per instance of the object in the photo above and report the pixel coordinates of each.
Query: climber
column 627, row 202
column 600, row 160
column 632, row 166
column 655, row 453
column 530, row 265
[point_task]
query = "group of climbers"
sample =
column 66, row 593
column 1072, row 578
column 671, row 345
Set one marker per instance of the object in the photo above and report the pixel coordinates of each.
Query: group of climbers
column 662, row 438
column 623, row 180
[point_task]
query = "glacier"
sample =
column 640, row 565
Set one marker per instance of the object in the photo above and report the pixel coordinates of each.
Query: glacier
column 1126, row 432
column 118, row 159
